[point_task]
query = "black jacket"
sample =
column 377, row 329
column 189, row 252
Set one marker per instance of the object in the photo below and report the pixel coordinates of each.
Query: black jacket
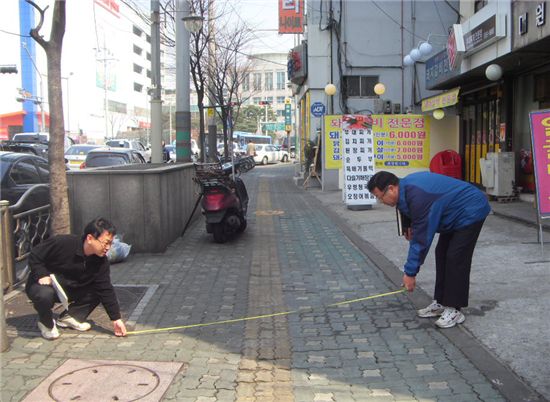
column 63, row 256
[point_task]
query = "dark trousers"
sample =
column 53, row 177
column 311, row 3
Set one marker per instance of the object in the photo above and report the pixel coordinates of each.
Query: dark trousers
column 43, row 297
column 453, row 261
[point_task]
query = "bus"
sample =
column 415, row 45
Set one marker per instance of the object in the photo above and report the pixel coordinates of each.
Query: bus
column 242, row 138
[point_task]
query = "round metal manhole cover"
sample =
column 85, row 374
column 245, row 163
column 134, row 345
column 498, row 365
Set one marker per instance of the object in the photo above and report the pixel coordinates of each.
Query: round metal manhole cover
column 106, row 382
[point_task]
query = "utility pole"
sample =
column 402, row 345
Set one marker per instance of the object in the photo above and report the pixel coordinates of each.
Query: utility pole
column 183, row 113
column 212, row 137
column 103, row 50
column 156, row 101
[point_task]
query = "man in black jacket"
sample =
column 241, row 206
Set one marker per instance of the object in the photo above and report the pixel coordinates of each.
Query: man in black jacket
column 81, row 267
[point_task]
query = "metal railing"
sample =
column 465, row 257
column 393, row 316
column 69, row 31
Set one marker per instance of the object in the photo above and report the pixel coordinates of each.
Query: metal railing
column 19, row 232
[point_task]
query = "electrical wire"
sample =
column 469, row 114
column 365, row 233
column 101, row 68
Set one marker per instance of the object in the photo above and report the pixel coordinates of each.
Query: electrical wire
column 395, row 21
column 15, row 34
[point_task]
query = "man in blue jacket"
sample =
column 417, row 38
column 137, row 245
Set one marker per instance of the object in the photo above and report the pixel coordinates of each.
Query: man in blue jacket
column 437, row 204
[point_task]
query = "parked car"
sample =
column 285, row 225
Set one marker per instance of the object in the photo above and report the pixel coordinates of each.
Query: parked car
column 293, row 151
column 76, row 154
column 282, row 154
column 41, row 138
column 265, row 153
column 100, row 157
column 37, row 149
column 130, row 144
column 19, row 172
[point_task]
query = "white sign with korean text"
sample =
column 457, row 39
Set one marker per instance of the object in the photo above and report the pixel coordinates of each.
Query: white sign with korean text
column 358, row 156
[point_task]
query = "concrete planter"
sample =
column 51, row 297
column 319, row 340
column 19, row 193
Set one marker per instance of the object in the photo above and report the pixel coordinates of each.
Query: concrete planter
column 149, row 204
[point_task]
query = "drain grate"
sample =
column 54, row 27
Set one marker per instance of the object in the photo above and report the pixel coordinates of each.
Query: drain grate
column 21, row 317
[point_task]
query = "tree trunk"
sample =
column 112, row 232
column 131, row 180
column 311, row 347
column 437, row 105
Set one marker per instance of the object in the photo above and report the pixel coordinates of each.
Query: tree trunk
column 59, row 198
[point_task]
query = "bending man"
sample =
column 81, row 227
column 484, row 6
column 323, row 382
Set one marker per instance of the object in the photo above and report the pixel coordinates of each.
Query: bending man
column 82, row 269
column 455, row 209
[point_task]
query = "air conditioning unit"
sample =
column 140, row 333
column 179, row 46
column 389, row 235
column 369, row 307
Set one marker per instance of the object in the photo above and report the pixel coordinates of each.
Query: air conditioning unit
column 498, row 173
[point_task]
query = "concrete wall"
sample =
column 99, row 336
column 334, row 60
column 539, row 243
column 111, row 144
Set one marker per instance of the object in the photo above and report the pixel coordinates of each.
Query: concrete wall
column 149, row 205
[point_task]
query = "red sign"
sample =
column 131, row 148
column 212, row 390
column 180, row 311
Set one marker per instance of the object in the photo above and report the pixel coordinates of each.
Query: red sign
column 291, row 16
column 540, row 136
column 110, row 5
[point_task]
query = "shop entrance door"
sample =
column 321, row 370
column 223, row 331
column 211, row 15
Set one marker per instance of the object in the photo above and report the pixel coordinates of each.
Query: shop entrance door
column 480, row 133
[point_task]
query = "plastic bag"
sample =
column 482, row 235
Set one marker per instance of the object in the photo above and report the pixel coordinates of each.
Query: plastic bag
column 119, row 251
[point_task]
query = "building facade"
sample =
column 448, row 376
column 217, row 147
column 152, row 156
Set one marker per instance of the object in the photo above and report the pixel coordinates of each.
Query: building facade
column 355, row 45
column 266, row 85
column 106, row 69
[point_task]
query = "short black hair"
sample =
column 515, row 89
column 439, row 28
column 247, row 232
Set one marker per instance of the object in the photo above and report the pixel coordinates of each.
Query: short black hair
column 97, row 226
column 382, row 180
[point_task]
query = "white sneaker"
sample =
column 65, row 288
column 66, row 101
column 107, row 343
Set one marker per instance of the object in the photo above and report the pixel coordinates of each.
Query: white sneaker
column 433, row 310
column 48, row 333
column 450, row 317
column 69, row 322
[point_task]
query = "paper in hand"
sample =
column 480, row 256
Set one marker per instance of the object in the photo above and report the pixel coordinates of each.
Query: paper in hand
column 60, row 292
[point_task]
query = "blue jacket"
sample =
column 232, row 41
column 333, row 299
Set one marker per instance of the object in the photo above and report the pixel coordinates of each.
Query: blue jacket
column 437, row 203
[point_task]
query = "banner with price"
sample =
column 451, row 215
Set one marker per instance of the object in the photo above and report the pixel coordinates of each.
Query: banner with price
column 333, row 141
column 401, row 141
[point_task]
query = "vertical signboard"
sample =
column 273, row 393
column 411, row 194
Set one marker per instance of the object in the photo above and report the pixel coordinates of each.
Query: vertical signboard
column 540, row 136
column 333, row 141
column 401, row 141
column 358, row 156
column 291, row 16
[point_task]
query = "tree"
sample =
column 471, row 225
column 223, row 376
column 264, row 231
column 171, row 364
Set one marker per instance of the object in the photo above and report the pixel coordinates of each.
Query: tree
column 59, row 198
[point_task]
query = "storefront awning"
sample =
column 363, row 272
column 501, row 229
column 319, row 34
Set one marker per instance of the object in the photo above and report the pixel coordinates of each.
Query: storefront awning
column 445, row 99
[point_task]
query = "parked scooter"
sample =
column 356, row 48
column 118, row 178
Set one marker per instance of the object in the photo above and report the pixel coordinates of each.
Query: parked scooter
column 224, row 199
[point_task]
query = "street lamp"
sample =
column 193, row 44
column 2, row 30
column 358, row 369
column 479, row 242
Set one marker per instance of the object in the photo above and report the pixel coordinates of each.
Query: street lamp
column 183, row 113
column 330, row 90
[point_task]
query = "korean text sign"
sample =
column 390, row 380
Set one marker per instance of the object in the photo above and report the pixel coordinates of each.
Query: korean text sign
column 401, row 141
column 358, row 156
column 333, row 141
column 291, row 16
column 540, row 135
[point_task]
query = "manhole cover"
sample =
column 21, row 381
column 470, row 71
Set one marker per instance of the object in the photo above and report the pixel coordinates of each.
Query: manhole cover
column 107, row 380
column 119, row 382
column 22, row 318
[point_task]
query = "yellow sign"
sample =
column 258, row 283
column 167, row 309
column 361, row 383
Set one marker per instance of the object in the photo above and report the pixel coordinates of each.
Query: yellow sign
column 210, row 112
column 288, row 127
column 333, row 141
column 445, row 99
column 287, row 101
column 401, row 141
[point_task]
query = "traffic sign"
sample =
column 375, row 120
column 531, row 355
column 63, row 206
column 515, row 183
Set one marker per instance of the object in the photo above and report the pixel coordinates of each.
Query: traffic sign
column 318, row 109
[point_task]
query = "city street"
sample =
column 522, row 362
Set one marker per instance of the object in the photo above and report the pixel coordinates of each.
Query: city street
column 303, row 250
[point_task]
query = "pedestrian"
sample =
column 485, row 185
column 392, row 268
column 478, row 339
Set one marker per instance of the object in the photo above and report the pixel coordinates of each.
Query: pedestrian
column 165, row 153
column 251, row 148
column 433, row 203
column 81, row 268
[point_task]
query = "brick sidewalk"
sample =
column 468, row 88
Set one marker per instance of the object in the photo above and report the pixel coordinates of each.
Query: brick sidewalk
column 291, row 256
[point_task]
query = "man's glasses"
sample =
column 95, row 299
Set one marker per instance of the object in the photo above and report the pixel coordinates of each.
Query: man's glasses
column 105, row 244
column 379, row 198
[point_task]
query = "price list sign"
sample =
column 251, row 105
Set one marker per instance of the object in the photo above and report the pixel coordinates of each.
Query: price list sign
column 358, row 156
column 401, row 141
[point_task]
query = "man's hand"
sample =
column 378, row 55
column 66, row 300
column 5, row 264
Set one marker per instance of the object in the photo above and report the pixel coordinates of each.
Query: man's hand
column 46, row 280
column 409, row 282
column 119, row 328
column 408, row 234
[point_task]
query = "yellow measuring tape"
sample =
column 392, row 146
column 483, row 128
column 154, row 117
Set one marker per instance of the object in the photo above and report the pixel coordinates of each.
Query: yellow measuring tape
column 257, row 317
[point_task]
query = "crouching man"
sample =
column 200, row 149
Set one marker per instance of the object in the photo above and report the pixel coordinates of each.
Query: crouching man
column 82, row 269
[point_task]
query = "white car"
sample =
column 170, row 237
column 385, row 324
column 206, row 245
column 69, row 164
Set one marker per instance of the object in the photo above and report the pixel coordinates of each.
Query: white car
column 282, row 155
column 266, row 153
column 131, row 144
column 76, row 154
